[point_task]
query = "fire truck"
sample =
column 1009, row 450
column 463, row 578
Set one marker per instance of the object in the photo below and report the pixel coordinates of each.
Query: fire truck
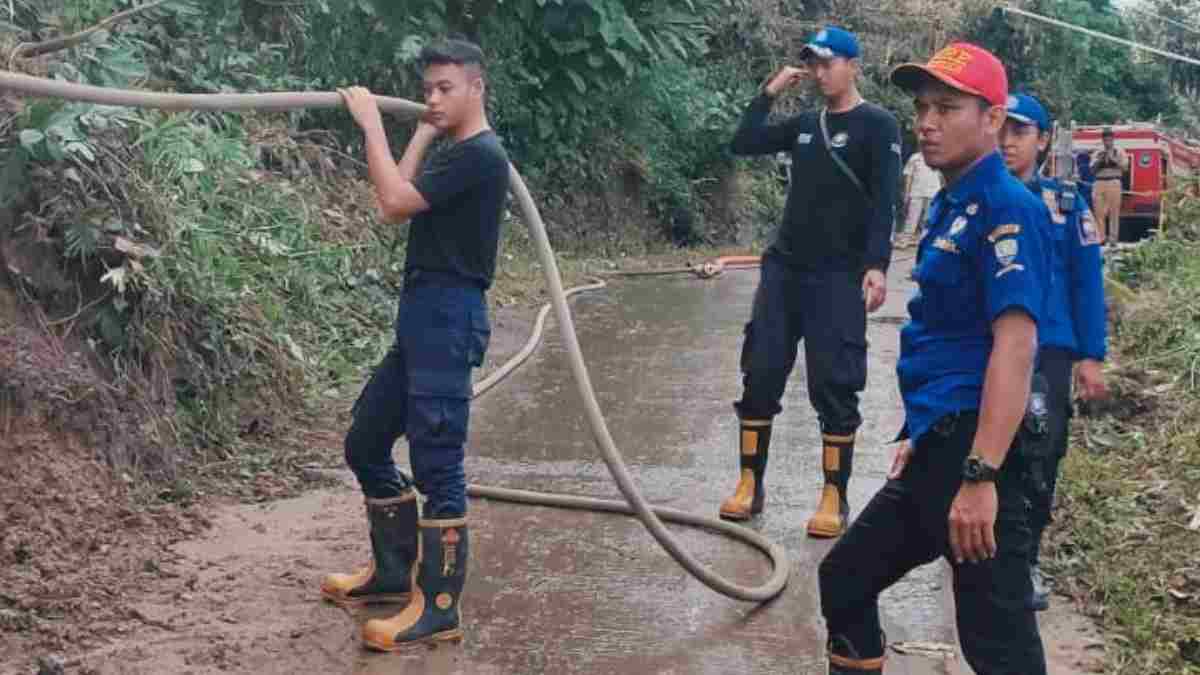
column 1156, row 160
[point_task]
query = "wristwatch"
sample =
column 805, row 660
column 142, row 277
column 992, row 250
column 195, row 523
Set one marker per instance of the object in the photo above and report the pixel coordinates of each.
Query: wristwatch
column 975, row 470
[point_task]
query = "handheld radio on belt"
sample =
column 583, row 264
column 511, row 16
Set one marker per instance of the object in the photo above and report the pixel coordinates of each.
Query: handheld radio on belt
column 1034, row 435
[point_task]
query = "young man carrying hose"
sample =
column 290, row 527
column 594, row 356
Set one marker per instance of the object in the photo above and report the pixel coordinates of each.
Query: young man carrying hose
column 1074, row 330
column 422, row 388
column 825, row 270
column 966, row 361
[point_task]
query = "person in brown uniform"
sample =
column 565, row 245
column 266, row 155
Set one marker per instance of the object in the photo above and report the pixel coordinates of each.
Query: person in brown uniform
column 1109, row 165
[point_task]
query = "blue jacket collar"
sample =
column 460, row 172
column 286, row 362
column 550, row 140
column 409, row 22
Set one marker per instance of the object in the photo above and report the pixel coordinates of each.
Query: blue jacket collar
column 985, row 172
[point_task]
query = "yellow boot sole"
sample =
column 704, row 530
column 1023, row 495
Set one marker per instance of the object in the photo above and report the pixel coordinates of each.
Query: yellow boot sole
column 741, row 505
column 828, row 522
column 454, row 636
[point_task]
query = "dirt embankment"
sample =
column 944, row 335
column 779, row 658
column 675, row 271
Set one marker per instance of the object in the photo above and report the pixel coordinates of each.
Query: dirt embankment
column 86, row 546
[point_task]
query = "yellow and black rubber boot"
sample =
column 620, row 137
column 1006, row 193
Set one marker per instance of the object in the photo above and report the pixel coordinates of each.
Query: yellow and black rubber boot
column 833, row 513
column 747, row 500
column 388, row 577
column 844, row 660
column 432, row 614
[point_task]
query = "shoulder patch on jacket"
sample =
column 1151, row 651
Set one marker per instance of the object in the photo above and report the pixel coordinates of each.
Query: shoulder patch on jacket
column 1004, row 231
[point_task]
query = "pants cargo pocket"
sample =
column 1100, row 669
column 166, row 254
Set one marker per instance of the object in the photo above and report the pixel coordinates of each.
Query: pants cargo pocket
column 479, row 338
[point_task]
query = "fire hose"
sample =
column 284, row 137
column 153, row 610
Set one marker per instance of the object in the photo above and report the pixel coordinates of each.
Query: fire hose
column 652, row 517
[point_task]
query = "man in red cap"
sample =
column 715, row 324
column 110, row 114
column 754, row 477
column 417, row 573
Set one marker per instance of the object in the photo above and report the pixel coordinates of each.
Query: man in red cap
column 966, row 360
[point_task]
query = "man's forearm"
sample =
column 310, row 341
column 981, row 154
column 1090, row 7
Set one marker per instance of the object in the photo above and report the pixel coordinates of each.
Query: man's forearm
column 381, row 166
column 1005, row 394
column 753, row 136
column 387, row 176
column 410, row 163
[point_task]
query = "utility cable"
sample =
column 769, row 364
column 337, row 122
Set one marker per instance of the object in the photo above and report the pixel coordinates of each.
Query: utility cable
column 1098, row 34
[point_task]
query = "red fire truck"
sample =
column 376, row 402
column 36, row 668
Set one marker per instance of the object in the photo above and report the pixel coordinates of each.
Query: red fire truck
column 1156, row 161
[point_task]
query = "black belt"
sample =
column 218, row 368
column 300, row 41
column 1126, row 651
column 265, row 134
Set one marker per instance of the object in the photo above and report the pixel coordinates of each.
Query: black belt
column 1098, row 179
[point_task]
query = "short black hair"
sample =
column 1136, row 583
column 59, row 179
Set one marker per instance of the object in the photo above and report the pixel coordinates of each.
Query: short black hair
column 452, row 51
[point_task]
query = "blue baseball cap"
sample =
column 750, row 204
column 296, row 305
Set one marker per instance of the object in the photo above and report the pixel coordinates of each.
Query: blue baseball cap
column 1027, row 110
column 829, row 42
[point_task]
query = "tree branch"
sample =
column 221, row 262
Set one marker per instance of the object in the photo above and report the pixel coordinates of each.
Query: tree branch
column 58, row 44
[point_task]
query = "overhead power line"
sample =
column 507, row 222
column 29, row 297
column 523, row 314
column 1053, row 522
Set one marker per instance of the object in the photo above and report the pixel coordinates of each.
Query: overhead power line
column 1169, row 20
column 1102, row 36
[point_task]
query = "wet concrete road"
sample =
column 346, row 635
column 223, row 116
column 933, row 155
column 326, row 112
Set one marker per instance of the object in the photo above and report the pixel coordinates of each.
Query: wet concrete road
column 552, row 591
column 568, row 592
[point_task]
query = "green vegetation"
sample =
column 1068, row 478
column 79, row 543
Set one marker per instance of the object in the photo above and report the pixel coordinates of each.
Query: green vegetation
column 235, row 260
column 1129, row 519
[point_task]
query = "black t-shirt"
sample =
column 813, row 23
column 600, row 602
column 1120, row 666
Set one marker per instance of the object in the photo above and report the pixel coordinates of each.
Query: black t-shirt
column 828, row 221
column 465, row 184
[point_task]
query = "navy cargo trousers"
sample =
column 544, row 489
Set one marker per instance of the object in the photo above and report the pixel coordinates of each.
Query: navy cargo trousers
column 824, row 308
column 422, row 390
column 906, row 525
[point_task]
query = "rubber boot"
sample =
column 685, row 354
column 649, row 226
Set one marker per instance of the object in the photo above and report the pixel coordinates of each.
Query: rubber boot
column 833, row 513
column 388, row 577
column 748, row 498
column 432, row 614
column 844, row 660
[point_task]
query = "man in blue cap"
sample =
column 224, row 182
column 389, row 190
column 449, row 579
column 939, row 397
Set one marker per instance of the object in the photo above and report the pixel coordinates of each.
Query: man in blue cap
column 824, row 271
column 1074, row 329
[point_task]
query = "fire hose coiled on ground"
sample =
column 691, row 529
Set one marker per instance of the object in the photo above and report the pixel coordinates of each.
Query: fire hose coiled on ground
column 651, row 516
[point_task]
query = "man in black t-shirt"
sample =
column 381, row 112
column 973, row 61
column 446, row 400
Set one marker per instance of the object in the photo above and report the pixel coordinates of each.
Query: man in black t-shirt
column 824, row 271
column 422, row 388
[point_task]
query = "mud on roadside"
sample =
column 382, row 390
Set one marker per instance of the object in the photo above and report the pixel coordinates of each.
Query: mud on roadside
column 80, row 544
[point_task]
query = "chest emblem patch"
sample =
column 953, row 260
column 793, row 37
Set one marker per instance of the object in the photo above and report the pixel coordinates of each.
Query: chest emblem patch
column 804, row 139
column 959, row 224
column 840, row 139
column 972, row 209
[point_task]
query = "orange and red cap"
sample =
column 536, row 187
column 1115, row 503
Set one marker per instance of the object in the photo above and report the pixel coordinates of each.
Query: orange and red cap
column 963, row 66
